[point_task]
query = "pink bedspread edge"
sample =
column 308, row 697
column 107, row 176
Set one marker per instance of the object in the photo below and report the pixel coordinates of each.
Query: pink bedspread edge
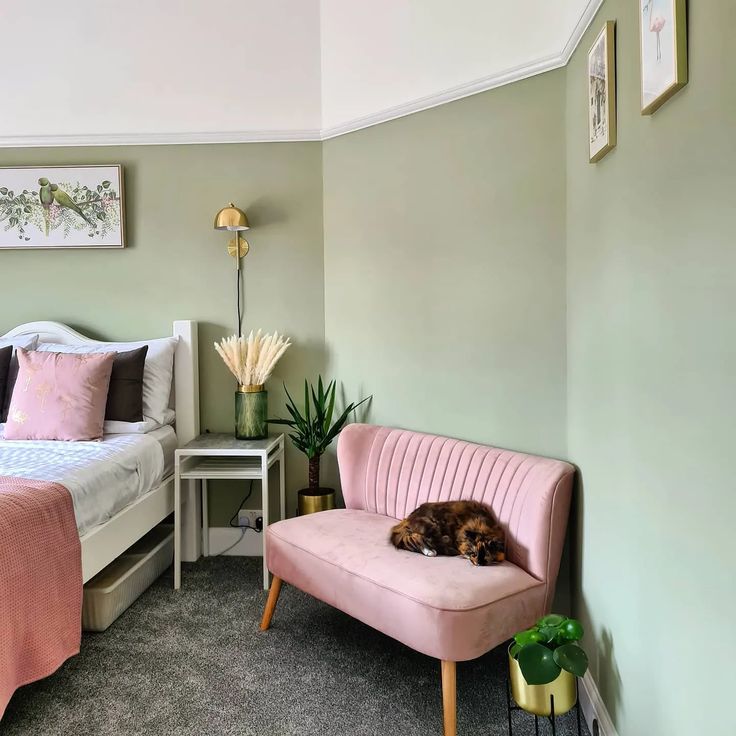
column 40, row 582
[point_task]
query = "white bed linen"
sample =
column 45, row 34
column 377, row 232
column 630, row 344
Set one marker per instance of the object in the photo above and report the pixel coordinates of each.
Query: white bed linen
column 102, row 477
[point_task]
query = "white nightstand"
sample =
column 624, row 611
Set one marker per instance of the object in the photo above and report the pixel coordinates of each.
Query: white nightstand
column 222, row 457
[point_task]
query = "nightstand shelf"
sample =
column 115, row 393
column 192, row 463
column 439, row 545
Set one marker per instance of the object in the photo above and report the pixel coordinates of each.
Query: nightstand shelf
column 222, row 457
column 211, row 468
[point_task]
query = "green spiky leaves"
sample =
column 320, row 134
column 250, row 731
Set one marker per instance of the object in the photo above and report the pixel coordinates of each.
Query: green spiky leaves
column 314, row 428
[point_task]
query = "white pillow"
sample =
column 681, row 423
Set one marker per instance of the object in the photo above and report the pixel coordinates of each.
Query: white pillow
column 112, row 426
column 27, row 342
column 158, row 373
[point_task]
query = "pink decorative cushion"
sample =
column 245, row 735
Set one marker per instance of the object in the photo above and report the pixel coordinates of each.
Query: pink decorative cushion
column 59, row 396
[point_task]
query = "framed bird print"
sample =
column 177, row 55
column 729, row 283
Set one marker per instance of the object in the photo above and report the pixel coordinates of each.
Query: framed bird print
column 62, row 207
column 663, row 41
column 602, row 93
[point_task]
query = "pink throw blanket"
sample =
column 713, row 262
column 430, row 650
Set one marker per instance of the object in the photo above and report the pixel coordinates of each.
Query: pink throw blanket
column 40, row 582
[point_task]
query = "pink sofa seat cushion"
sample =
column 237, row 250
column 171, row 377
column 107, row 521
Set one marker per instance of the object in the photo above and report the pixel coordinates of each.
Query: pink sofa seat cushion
column 393, row 471
column 441, row 606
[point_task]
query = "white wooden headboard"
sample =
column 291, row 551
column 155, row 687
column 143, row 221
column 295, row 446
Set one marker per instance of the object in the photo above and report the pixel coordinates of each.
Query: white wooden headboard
column 186, row 366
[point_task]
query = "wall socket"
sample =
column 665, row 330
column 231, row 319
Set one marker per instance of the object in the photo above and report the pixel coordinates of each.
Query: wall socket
column 250, row 518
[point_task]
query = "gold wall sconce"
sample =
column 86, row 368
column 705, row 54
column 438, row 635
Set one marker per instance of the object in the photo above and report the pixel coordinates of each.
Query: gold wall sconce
column 233, row 219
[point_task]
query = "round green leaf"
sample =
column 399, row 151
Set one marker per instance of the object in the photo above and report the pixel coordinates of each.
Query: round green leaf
column 571, row 658
column 528, row 637
column 548, row 633
column 537, row 664
column 572, row 630
column 551, row 619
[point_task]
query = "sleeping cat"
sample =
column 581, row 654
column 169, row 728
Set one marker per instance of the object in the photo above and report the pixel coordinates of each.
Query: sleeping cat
column 465, row 528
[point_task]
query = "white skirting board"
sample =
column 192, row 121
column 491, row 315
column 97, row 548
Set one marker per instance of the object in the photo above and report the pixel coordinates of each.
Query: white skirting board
column 222, row 537
column 593, row 707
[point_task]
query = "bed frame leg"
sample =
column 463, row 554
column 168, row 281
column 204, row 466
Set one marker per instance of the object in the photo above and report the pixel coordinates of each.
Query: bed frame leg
column 449, row 698
column 273, row 596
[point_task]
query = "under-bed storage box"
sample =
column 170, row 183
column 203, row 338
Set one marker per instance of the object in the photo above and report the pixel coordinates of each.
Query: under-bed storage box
column 109, row 593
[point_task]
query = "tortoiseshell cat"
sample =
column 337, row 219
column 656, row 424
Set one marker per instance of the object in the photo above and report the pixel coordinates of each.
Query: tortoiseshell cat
column 465, row 528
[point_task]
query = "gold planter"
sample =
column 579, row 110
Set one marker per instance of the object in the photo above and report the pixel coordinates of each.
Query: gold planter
column 312, row 500
column 535, row 698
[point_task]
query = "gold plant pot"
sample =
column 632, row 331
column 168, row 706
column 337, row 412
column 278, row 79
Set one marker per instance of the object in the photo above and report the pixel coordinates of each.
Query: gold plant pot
column 312, row 500
column 536, row 698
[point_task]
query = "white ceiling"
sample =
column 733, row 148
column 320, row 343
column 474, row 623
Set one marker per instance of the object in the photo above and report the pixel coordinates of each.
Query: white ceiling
column 155, row 71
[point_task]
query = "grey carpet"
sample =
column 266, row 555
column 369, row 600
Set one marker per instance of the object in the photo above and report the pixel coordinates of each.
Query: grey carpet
column 194, row 663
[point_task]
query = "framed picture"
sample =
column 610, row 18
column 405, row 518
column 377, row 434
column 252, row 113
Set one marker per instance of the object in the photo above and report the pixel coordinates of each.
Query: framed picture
column 663, row 41
column 62, row 207
column 602, row 93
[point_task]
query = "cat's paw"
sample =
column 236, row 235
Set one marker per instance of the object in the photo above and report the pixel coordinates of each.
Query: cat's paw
column 427, row 552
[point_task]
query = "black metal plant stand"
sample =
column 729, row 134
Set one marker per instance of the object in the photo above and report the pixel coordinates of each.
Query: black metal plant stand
column 552, row 718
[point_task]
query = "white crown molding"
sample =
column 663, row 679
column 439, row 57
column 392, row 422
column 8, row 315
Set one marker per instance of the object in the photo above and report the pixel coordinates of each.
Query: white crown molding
column 515, row 74
column 158, row 139
column 586, row 18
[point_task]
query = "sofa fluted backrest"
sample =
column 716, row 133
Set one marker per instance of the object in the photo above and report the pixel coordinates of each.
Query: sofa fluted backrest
column 392, row 471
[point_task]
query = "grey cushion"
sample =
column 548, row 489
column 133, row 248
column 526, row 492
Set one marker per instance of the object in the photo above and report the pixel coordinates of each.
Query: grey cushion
column 125, row 396
column 5, row 355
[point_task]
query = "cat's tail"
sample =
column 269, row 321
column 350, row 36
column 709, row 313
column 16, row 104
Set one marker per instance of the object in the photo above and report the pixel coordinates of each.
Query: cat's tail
column 402, row 537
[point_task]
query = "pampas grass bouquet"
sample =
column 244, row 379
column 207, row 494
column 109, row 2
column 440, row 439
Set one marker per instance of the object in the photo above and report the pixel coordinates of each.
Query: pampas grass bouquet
column 252, row 360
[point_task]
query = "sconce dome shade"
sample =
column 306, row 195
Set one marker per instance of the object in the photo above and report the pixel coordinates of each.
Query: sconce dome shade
column 231, row 218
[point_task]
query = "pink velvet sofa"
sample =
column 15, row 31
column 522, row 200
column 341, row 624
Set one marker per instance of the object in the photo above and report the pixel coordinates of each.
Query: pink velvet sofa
column 441, row 606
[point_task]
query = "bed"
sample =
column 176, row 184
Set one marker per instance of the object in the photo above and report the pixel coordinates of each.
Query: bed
column 123, row 486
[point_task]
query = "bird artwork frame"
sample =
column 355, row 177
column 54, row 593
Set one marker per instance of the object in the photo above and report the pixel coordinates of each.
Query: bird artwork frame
column 663, row 51
column 62, row 206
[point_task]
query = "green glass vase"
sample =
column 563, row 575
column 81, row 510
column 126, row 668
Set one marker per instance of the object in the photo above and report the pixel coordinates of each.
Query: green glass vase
column 251, row 412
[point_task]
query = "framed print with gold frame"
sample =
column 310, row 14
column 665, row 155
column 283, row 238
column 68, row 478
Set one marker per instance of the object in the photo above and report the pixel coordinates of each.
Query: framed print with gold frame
column 62, row 207
column 663, row 50
column 602, row 93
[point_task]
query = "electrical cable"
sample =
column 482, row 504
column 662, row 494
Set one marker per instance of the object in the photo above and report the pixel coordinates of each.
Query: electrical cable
column 243, row 529
column 240, row 311
column 240, row 506
column 227, row 549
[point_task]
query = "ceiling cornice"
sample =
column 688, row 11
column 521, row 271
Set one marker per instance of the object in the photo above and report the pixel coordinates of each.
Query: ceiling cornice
column 516, row 74
column 449, row 95
column 586, row 18
column 159, row 139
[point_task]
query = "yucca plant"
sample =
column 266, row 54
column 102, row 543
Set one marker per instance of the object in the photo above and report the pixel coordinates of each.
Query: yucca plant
column 313, row 429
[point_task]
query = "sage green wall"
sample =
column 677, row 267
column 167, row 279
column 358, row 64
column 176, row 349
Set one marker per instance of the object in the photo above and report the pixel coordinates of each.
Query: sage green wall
column 176, row 266
column 444, row 267
column 652, row 384
column 483, row 280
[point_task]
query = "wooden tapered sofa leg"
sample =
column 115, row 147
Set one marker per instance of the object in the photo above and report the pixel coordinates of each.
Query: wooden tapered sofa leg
column 273, row 596
column 449, row 698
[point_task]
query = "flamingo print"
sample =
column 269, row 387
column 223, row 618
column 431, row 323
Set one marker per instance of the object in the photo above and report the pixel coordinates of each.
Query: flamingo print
column 656, row 24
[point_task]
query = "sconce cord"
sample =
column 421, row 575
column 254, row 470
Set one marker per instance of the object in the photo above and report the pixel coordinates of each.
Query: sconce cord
column 240, row 318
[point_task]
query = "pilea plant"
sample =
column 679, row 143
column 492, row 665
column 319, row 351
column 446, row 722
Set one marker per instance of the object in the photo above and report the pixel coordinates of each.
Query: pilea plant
column 549, row 647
